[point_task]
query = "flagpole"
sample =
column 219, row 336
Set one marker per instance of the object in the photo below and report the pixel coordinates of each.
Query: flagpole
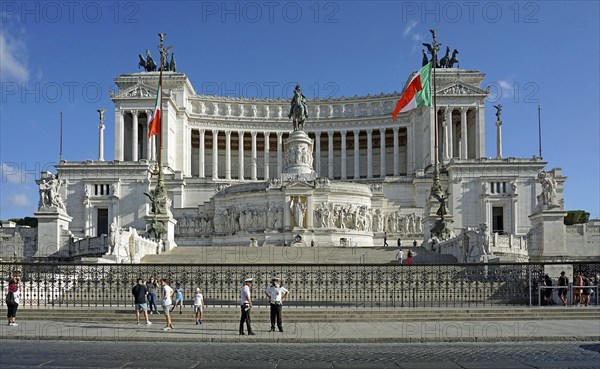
column 436, row 187
column 60, row 157
column 160, row 105
column 540, row 130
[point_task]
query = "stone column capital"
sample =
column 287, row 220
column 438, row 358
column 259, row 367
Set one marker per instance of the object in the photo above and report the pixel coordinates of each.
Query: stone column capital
column 241, row 133
column 267, row 134
column 253, row 134
column 356, row 132
column 463, row 109
column 330, row 133
column 396, row 129
column 134, row 112
column 369, row 132
column 343, row 133
column 228, row 133
column 215, row 132
column 279, row 135
column 202, row 131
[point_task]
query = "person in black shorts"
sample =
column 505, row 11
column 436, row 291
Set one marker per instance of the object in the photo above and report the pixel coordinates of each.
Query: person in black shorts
column 585, row 297
column 548, row 291
column 563, row 283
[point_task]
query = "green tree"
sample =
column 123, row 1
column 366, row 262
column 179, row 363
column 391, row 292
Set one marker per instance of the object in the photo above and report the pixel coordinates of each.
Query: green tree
column 27, row 221
column 577, row 217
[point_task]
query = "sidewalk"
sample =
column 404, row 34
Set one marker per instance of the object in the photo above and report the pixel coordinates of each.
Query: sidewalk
column 334, row 332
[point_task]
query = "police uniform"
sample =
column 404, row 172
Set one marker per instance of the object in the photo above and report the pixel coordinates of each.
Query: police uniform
column 276, row 296
column 245, row 304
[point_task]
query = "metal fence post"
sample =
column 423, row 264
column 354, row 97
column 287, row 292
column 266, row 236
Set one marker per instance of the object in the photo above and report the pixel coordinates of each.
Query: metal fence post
column 529, row 278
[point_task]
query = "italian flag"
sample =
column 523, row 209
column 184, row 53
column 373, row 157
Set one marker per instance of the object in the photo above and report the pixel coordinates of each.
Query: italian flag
column 417, row 93
column 155, row 122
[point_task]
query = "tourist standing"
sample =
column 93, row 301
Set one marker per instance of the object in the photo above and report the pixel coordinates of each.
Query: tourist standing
column 139, row 292
column 152, row 286
column 563, row 283
column 276, row 295
column 246, row 305
column 385, row 244
column 414, row 243
column 178, row 298
column 400, row 256
column 409, row 258
column 587, row 291
column 577, row 291
column 198, row 306
column 167, row 293
column 547, row 290
column 13, row 298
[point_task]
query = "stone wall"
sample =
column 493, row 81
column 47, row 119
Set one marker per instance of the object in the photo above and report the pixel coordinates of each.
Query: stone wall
column 583, row 239
column 17, row 241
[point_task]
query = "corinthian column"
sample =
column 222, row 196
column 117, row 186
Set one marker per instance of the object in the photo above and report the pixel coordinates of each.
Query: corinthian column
column 396, row 152
column 344, row 159
column 134, row 136
column 463, row 133
column 330, row 154
column 318, row 153
column 382, row 171
column 227, row 154
column 356, row 154
column 241, row 155
column 215, row 154
column 266, row 154
column 201, row 155
column 279, row 154
column 369, row 153
column 253, row 159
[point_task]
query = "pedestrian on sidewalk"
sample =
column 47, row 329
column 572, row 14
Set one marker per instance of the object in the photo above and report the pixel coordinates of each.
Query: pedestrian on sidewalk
column 198, row 306
column 167, row 294
column 400, row 256
column 140, row 292
column 178, row 298
column 548, row 290
column 246, row 305
column 152, row 286
column 13, row 298
column 585, row 294
column 276, row 295
column 409, row 258
column 385, row 244
column 577, row 290
column 563, row 283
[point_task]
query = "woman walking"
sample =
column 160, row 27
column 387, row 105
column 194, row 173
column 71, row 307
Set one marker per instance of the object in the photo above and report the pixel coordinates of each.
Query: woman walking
column 13, row 298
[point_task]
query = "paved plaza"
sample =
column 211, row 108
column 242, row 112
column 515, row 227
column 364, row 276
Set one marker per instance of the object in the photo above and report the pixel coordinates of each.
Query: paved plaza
column 162, row 354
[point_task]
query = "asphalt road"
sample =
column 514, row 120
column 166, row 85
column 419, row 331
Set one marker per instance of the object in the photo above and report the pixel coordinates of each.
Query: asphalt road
column 524, row 355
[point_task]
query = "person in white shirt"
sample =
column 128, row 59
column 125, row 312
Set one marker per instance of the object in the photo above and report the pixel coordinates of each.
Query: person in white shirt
column 400, row 256
column 276, row 295
column 246, row 304
column 198, row 306
column 167, row 293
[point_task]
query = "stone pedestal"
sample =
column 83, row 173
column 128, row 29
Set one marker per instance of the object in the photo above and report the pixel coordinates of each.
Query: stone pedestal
column 547, row 234
column 298, row 157
column 53, row 231
column 169, row 238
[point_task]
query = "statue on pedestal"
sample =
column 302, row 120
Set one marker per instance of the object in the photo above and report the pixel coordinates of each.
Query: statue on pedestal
column 298, row 209
column 298, row 109
column 548, row 198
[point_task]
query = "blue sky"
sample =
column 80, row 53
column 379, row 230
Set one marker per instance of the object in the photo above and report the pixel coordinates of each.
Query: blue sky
column 63, row 56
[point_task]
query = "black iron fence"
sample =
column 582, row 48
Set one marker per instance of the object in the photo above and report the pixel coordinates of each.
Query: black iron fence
column 370, row 285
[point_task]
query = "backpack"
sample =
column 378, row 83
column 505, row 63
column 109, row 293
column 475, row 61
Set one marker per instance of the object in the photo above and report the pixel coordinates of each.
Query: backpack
column 10, row 298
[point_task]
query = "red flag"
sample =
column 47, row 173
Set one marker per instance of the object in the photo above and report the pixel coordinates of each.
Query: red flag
column 154, row 128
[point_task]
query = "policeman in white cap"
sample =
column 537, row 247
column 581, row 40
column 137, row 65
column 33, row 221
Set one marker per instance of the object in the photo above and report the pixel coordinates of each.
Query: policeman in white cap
column 246, row 304
column 276, row 295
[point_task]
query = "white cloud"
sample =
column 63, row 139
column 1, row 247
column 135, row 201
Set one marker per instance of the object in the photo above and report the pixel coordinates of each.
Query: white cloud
column 13, row 58
column 409, row 28
column 19, row 199
column 506, row 89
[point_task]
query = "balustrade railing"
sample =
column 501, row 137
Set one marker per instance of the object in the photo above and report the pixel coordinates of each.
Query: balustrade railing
column 363, row 285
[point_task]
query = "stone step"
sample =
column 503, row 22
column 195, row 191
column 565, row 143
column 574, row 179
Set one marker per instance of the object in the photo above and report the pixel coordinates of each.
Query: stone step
column 300, row 315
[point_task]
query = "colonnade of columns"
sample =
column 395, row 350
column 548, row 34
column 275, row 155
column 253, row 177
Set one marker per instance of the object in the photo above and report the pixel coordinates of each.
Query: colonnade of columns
column 461, row 136
column 131, row 137
column 334, row 161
